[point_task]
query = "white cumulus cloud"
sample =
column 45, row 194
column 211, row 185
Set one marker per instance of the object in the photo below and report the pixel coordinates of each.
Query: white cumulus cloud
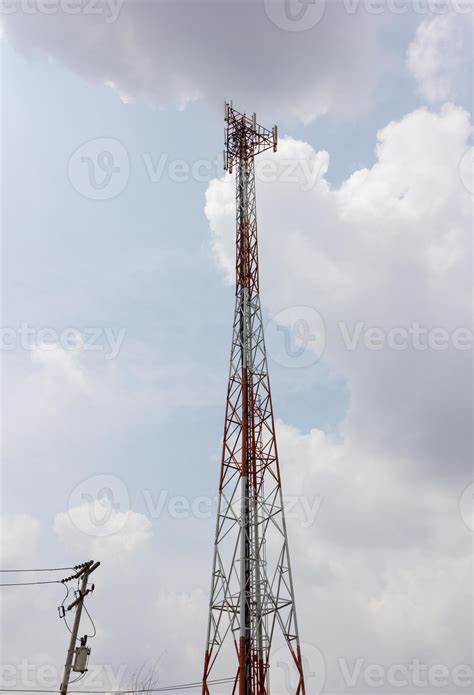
column 378, row 540
column 388, row 250
column 117, row 533
column 438, row 57
column 19, row 536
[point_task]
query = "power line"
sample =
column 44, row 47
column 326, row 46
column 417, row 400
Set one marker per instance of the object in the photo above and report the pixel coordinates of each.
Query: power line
column 168, row 688
column 41, row 569
column 51, row 581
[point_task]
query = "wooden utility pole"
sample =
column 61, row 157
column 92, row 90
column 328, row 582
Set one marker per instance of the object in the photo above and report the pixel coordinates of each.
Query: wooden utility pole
column 77, row 603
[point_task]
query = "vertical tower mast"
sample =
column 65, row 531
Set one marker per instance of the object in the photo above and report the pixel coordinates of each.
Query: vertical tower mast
column 252, row 597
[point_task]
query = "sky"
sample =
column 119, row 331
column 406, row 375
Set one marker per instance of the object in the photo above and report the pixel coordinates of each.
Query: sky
column 117, row 302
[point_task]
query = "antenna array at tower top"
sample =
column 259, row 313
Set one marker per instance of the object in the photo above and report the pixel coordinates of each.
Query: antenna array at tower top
column 244, row 137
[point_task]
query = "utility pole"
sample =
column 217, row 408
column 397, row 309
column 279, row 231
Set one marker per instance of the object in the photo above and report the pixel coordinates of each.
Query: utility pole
column 252, row 608
column 85, row 572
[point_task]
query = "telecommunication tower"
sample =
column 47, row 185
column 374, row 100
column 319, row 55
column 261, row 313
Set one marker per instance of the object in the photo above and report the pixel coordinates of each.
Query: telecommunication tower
column 252, row 606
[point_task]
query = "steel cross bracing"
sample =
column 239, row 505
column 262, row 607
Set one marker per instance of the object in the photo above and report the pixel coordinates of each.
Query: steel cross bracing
column 252, row 597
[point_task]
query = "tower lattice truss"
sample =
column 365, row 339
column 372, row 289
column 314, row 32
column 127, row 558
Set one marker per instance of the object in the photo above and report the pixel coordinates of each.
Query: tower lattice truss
column 252, row 630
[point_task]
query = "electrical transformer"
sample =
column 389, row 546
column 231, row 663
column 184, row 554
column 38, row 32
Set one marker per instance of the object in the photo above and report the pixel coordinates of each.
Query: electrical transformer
column 81, row 659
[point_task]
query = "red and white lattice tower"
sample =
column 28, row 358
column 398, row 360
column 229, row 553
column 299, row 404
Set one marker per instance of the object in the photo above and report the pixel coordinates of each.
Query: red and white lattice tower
column 252, row 607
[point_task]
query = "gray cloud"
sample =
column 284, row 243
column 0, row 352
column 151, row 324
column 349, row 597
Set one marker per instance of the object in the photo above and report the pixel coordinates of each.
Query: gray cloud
column 171, row 53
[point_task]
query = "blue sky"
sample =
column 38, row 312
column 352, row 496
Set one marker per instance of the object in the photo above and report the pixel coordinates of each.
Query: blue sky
column 383, row 237
column 140, row 262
